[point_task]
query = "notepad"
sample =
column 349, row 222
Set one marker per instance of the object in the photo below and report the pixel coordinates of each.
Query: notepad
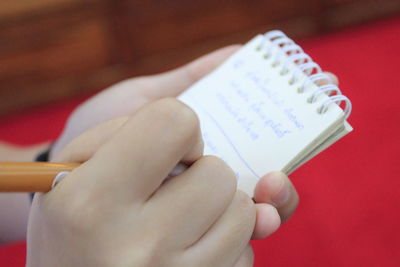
column 269, row 107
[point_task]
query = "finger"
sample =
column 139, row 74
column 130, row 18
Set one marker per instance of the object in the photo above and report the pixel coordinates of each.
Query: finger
column 198, row 196
column 128, row 96
column 229, row 236
column 174, row 82
column 145, row 149
column 247, row 258
column 83, row 147
column 333, row 77
column 275, row 188
column 328, row 79
column 268, row 221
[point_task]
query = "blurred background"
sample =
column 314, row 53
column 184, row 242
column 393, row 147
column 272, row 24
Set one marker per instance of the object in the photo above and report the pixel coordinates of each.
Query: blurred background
column 56, row 53
column 57, row 49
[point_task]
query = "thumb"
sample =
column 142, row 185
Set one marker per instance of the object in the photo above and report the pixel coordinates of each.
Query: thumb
column 173, row 83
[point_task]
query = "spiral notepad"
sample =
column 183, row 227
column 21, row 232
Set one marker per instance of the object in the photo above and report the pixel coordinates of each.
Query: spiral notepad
column 268, row 107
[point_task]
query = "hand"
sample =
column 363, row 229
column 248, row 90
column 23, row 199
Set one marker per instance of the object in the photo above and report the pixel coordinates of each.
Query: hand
column 276, row 195
column 117, row 209
column 274, row 192
column 128, row 96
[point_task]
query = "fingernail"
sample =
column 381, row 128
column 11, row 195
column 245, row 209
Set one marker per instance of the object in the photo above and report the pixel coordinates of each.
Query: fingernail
column 279, row 188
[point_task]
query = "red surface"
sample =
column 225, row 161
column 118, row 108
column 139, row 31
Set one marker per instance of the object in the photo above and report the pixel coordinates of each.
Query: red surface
column 12, row 255
column 350, row 194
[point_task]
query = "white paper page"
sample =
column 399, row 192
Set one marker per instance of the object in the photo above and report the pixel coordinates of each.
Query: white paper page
column 252, row 118
column 335, row 136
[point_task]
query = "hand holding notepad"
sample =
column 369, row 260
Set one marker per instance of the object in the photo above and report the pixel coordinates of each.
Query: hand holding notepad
column 269, row 107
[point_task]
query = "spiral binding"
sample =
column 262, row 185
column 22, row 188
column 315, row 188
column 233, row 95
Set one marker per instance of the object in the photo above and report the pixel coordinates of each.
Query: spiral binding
column 292, row 53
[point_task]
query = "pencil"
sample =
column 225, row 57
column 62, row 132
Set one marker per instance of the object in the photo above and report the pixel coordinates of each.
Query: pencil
column 30, row 176
column 39, row 176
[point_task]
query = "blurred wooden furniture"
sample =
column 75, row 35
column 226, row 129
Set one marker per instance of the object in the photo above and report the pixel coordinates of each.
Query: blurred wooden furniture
column 53, row 49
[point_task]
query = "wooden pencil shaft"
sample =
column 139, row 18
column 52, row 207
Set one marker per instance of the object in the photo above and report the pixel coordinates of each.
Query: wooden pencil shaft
column 30, row 176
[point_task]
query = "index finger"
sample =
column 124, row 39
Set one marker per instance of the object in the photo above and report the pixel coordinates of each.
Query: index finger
column 136, row 160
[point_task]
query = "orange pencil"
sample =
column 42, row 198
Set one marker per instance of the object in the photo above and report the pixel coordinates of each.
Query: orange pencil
column 30, row 176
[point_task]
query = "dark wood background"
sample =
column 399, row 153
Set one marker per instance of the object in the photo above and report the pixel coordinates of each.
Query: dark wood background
column 54, row 49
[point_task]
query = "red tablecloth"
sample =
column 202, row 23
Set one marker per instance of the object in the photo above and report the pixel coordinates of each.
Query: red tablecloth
column 350, row 194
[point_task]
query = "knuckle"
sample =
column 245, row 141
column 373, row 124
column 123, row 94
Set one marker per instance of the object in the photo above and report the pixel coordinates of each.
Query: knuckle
column 178, row 111
column 69, row 216
column 178, row 115
column 75, row 217
column 245, row 202
column 78, row 216
column 147, row 255
column 223, row 175
column 247, row 210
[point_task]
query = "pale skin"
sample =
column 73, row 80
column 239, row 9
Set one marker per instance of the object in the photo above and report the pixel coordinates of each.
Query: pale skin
column 129, row 215
column 275, row 197
column 127, row 97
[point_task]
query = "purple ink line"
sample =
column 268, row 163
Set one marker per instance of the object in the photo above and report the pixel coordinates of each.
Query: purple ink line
column 229, row 140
